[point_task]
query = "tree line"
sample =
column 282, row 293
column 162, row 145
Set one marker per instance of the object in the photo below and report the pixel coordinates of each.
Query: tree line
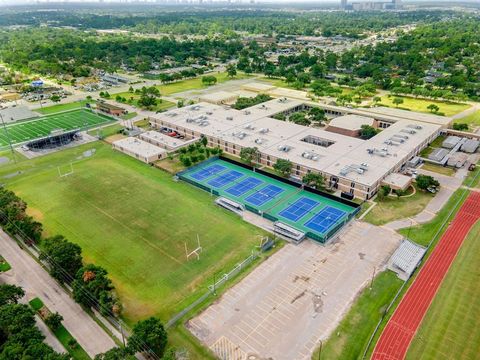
column 90, row 285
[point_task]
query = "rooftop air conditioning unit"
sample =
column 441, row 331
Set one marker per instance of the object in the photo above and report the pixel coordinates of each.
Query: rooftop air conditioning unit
column 264, row 130
column 229, row 118
column 408, row 131
column 209, row 113
column 247, row 112
column 413, row 126
column 248, row 127
column 258, row 141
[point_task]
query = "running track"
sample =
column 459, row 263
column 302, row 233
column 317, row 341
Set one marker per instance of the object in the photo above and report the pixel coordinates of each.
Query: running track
column 400, row 330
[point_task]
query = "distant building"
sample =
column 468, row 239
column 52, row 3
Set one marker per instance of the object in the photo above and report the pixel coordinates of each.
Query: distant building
column 110, row 109
column 371, row 5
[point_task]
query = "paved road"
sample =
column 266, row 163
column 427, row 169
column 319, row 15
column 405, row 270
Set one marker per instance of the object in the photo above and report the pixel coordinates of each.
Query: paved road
column 28, row 274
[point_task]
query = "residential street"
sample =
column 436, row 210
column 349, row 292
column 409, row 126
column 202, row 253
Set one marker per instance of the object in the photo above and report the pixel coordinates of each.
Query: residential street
column 28, row 274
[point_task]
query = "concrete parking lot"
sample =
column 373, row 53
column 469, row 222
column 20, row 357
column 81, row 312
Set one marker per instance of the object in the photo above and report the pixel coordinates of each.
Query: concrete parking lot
column 295, row 298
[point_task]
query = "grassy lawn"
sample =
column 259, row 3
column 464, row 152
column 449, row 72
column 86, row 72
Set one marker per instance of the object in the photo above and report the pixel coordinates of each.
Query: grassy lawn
column 448, row 171
column 133, row 219
column 422, row 234
column 132, row 99
column 473, row 120
column 473, row 178
column 128, row 116
column 196, row 83
column 106, row 131
column 277, row 82
column 450, row 328
column 63, row 107
column 392, row 208
column 349, row 339
column 447, row 108
column 4, row 265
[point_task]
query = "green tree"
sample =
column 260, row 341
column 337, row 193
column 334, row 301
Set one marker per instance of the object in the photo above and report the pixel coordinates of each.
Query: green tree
column 64, row 257
column 367, row 132
column 300, row 118
column 314, row 180
column 53, row 321
column 10, row 294
column 317, row 115
column 433, row 108
column 460, row 126
column 149, row 333
column 283, row 167
column 116, row 354
column 147, row 101
column 397, row 101
column 249, row 154
column 231, row 70
column 209, row 80
column 55, row 98
column 426, row 181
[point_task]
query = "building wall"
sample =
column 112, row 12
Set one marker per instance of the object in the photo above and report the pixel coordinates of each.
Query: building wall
column 359, row 190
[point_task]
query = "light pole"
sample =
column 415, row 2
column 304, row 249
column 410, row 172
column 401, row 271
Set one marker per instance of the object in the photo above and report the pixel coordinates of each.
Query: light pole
column 8, row 137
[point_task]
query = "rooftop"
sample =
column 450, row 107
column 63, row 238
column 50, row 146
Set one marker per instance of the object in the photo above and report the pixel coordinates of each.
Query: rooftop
column 139, row 147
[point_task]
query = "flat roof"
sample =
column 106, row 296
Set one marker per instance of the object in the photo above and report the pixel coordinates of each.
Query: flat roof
column 410, row 115
column 351, row 121
column 168, row 141
column 139, row 147
column 314, row 148
column 218, row 96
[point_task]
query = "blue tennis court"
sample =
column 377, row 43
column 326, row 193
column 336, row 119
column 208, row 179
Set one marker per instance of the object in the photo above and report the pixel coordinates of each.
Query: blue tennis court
column 325, row 219
column 264, row 195
column 207, row 172
column 298, row 209
column 244, row 186
column 224, row 179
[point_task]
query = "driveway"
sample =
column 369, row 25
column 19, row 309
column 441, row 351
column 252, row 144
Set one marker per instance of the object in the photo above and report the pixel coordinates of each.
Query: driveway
column 36, row 282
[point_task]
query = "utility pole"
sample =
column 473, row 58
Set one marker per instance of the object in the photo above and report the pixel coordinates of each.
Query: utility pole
column 320, row 350
column 8, row 137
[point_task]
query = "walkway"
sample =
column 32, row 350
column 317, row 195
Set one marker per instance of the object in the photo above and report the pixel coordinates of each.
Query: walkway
column 29, row 275
column 400, row 330
column 448, row 185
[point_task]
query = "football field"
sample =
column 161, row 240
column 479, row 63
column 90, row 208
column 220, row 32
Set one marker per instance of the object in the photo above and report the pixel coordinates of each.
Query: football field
column 134, row 220
column 24, row 131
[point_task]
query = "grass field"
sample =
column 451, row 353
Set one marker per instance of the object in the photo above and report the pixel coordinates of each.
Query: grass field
column 47, row 110
column 349, row 339
column 450, row 328
column 133, row 219
column 393, row 208
column 28, row 130
column 447, row 108
column 443, row 170
column 473, row 178
column 473, row 120
column 422, row 234
column 196, row 83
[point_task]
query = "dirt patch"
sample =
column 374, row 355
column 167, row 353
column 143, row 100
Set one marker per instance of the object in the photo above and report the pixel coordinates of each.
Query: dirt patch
column 35, row 213
column 113, row 138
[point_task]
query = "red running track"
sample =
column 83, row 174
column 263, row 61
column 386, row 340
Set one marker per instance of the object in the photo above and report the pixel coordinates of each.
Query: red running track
column 400, row 330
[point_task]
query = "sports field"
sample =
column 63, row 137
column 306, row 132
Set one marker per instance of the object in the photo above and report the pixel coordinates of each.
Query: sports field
column 33, row 129
column 316, row 215
column 402, row 326
column 134, row 220
column 450, row 329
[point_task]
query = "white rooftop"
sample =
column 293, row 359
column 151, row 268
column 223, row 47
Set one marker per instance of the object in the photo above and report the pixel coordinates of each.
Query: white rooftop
column 351, row 122
column 139, row 147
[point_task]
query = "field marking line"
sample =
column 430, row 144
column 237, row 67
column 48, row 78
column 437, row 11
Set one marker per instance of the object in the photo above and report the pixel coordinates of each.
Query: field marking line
column 132, row 231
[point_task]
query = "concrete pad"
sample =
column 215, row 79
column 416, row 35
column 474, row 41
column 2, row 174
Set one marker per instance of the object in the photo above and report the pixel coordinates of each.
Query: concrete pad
column 295, row 298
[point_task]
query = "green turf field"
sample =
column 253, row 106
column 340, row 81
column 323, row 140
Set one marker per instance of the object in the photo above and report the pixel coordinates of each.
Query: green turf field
column 450, row 328
column 47, row 110
column 133, row 219
column 421, row 105
column 20, row 132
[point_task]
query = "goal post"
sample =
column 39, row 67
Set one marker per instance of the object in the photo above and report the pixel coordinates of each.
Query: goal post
column 196, row 252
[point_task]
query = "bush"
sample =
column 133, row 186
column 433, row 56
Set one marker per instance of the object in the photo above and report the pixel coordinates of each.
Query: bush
column 53, row 321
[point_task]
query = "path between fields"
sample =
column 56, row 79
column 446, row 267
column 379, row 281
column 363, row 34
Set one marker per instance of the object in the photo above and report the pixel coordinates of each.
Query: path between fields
column 402, row 327
column 28, row 274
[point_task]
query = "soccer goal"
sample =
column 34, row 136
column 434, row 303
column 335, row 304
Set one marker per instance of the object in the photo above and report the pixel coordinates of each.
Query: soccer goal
column 196, row 252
